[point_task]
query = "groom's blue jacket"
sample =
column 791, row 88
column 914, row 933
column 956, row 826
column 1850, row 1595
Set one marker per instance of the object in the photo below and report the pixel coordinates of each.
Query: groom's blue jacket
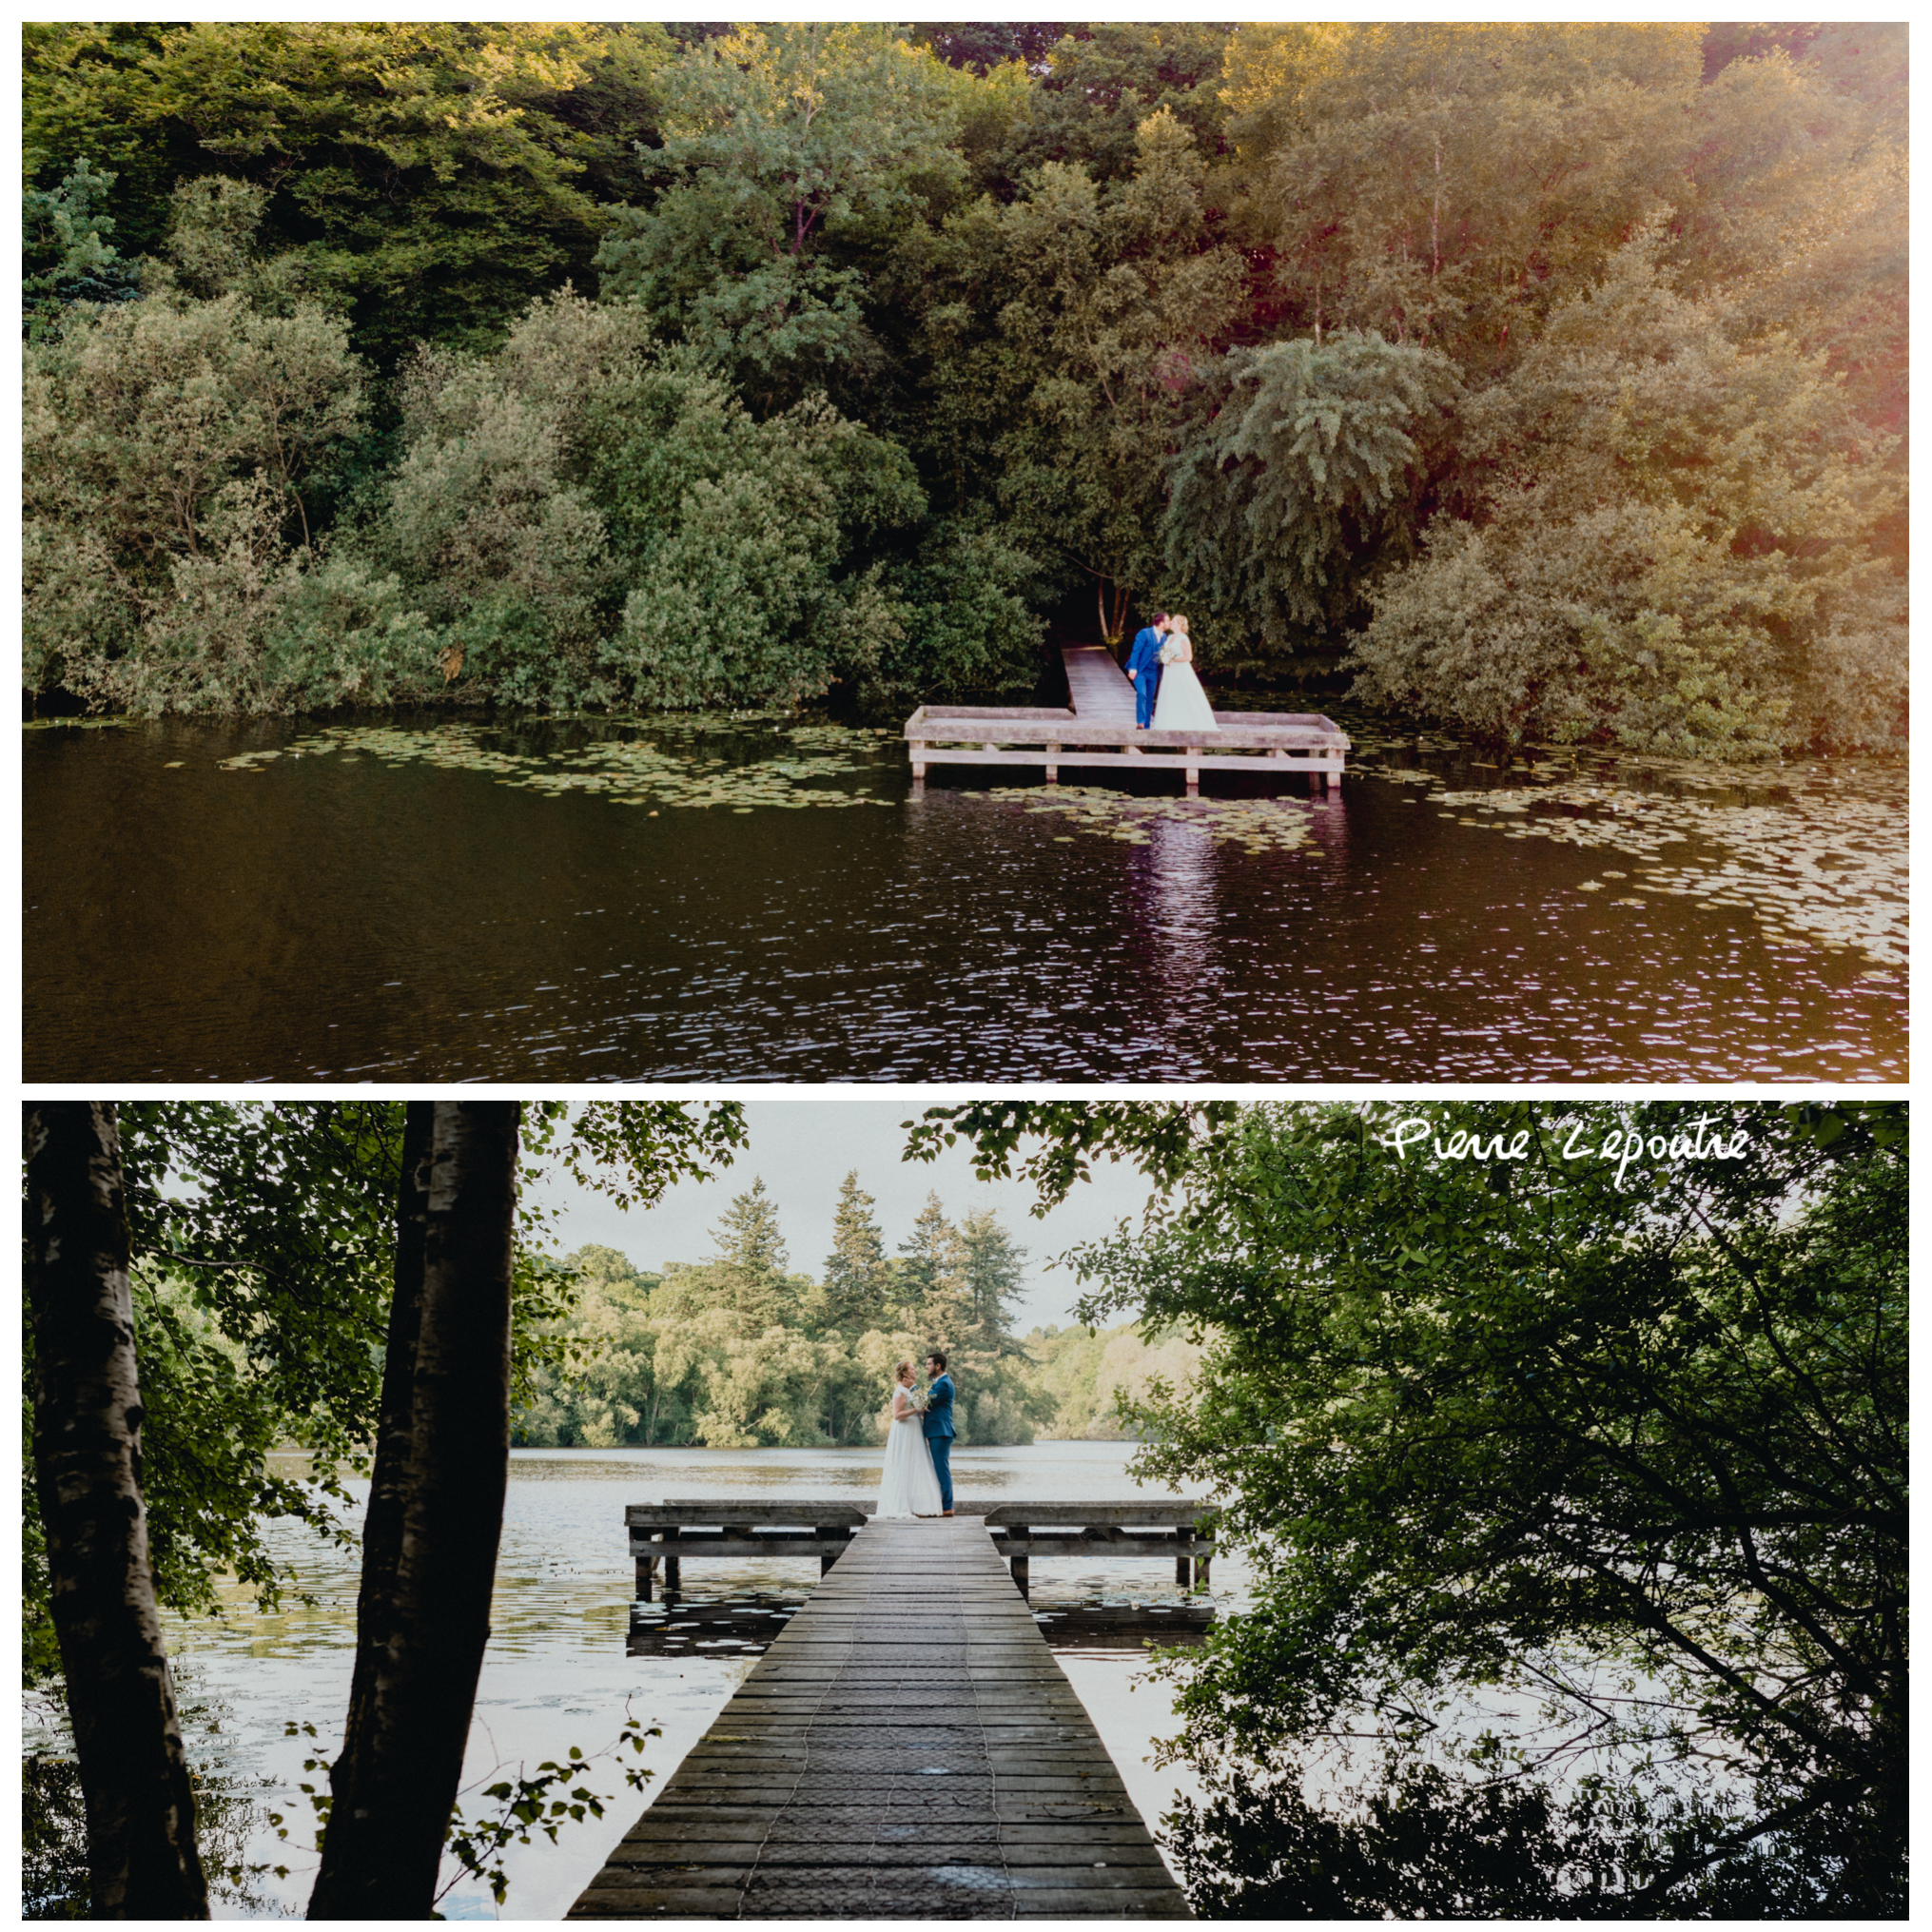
column 939, row 1408
column 1145, row 654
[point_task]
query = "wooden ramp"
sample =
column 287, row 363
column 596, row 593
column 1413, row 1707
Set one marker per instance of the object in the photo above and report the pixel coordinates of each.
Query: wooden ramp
column 1102, row 693
column 907, row 1748
column 1097, row 730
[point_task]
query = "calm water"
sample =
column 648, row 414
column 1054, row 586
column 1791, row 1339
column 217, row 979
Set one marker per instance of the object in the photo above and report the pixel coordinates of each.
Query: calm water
column 567, row 1656
column 319, row 918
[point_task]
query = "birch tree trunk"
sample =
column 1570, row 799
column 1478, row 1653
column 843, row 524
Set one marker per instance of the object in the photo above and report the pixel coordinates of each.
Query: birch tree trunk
column 143, row 1862
column 436, row 1513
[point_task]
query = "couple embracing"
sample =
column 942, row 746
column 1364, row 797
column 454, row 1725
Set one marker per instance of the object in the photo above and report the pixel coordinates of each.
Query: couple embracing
column 1167, row 694
column 919, row 1445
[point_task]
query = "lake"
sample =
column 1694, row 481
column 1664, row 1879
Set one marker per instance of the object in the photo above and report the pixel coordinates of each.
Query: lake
column 568, row 1657
column 730, row 899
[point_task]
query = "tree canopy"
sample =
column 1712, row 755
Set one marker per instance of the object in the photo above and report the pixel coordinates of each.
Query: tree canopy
column 1569, row 1441
column 1546, row 380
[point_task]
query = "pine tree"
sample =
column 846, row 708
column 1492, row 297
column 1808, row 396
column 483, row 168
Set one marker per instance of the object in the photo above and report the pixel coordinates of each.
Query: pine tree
column 994, row 1278
column 857, row 1275
column 933, row 1290
column 752, row 1253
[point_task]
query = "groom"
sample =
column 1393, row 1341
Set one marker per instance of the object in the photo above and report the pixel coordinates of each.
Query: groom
column 937, row 1427
column 1143, row 669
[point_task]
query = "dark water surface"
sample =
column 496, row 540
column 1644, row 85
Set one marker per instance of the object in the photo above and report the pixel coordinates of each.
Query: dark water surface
column 321, row 918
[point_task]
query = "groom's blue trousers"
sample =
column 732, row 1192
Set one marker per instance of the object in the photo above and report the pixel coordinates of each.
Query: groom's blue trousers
column 941, row 1446
column 1147, row 689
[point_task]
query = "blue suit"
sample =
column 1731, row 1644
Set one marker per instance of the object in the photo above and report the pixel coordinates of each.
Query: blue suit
column 938, row 1428
column 1145, row 660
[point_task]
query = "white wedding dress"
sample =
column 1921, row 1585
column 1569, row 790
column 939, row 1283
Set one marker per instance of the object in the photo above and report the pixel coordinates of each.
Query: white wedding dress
column 1180, row 704
column 911, row 1485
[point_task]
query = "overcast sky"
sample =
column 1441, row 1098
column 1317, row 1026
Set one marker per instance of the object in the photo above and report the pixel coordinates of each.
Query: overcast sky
column 803, row 1148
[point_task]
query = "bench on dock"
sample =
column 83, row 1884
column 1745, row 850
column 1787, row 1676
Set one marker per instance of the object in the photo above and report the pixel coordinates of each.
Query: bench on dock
column 703, row 1526
column 735, row 1526
column 1097, row 730
column 1183, row 1530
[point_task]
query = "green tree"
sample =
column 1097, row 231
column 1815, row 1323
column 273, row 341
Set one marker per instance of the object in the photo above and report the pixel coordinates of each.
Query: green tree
column 1569, row 1438
column 1303, row 480
column 434, row 176
column 787, row 149
column 68, row 255
column 931, row 1283
column 280, row 1323
column 1096, row 83
column 993, row 1272
column 1064, row 333
column 171, row 449
column 1676, row 548
column 1445, row 183
column 750, row 1252
column 857, row 1276
column 592, row 517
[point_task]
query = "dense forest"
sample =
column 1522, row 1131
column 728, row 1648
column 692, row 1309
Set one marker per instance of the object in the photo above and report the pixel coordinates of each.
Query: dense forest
column 738, row 1351
column 1547, row 381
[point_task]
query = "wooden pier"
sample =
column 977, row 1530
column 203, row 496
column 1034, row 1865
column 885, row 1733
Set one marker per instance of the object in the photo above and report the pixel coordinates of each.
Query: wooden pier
column 907, row 1748
column 1097, row 730
column 665, row 1535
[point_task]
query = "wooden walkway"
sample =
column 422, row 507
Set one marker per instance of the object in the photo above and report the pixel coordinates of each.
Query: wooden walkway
column 1100, row 691
column 907, row 1748
column 1099, row 729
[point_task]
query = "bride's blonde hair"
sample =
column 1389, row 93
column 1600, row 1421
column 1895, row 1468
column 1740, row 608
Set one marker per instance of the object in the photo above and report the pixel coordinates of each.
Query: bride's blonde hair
column 905, row 1367
column 1177, row 624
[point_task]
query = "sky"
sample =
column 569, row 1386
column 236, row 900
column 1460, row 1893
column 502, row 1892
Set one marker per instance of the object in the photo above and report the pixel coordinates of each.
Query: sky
column 803, row 1148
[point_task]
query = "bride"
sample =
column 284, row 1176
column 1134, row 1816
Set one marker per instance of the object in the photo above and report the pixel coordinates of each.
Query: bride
column 1181, row 705
column 911, row 1487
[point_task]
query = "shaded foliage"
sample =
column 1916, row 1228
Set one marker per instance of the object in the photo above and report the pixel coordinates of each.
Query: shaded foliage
column 1569, row 1440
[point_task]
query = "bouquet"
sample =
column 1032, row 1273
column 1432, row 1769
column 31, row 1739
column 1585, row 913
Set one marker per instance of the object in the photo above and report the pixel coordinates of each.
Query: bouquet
column 1174, row 651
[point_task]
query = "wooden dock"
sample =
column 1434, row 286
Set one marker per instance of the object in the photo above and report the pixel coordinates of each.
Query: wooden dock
column 1097, row 730
column 665, row 1535
column 907, row 1748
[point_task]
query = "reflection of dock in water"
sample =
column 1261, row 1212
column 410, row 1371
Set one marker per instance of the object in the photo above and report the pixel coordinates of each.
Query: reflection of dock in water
column 687, row 1624
column 905, row 1748
column 1097, row 729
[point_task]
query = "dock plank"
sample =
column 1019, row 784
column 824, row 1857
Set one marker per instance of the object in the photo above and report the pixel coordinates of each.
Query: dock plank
column 907, row 1747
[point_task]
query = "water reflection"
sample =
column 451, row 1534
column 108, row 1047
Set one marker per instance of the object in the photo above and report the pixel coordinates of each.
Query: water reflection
column 319, row 919
column 1093, row 1624
column 1176, row 916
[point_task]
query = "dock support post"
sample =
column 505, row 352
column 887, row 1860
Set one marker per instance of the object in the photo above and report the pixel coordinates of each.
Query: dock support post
column 646, row 1565
column 1201, row 1563
column 1182, row 1577
column 830, row 1546
column 1052, row 764
column 671, row 1572
column 1192, row 772
column 1016, row 1533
